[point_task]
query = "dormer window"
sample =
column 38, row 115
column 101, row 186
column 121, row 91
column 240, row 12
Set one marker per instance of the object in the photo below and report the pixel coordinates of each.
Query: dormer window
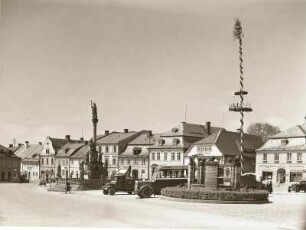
column 136, row 151
column 175, row 130
column 175, row 141
column 284, row 142
column 66, row 150
column 161, row 141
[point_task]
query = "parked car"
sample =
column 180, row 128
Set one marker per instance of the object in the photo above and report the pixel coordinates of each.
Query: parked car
column 165, row 176
column 298, row 186
column 122, row 183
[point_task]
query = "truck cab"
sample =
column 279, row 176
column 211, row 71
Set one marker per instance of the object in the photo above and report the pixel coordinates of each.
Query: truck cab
column 122, row 183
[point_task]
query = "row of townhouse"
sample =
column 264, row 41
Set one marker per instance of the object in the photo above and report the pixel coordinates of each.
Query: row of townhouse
column 281, row 159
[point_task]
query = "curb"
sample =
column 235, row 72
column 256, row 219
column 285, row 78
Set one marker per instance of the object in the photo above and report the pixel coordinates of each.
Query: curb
column 213, row 201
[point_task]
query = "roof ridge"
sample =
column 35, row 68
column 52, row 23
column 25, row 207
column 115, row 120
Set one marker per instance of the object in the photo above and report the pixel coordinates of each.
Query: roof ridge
column 300, row 127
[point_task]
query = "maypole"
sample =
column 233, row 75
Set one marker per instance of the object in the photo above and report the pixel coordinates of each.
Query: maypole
column 240, row 107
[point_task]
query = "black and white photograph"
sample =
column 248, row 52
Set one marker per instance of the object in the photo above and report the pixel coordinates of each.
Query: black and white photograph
column 153, row 114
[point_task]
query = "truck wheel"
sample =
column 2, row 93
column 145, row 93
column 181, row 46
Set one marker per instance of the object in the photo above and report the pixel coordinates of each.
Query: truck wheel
column 105, row 191
column 145, row 192
column 297, row 190
column 111, row 191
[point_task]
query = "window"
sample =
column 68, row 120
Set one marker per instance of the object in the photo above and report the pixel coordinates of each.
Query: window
column 289, row 155
column 299, row 158
column 66, row 161
column 114, row 161
column 106, row 160
column 135, row 161
column 284, row 142
column 122, row 162
column 47, row 161
column 52, row 161
column 296, row 176
column 153, row 156
column 115, row 149
column 106, row 149
column 42, row 161
column 77, row 174
column 47, row 151
column 71, row 162
column 100, row 149
column 276, row 158
column 178, row 156
column 165, row 156
column 129, row 161
column 264, row 158
column 173, row 156
column 158, row 156
column 161, row 141
column 143, row 162
column 175, row 141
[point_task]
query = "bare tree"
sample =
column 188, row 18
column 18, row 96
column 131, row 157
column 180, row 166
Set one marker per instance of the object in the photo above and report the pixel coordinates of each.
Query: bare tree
column 264, row 130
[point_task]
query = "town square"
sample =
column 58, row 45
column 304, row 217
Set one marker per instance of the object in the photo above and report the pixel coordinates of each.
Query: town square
column 153, row 114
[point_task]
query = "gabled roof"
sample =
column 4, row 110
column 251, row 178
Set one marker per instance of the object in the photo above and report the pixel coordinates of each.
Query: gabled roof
column 4, row 149
column 33, row 153
column 68, row 149
column 58, row 142
column 5, row 152
column 190, row 130
column 81, row 153
column 115, row 138
column 229, row 142
column 144, row 139
column 295, row 131
column 23, row 152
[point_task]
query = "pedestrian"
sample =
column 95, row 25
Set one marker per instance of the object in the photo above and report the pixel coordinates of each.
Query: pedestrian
column 68, row 187
column 270, row 187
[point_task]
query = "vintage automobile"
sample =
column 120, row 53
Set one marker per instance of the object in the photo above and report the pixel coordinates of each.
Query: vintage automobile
column 121, row 183
column 298, row 186
column 164, row 176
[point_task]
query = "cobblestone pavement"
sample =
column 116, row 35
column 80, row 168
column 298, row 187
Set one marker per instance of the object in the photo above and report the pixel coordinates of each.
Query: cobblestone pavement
column 31, row 205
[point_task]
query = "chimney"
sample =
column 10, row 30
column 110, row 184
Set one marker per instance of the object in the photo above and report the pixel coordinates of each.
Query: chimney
column 10, row 145
column 82, row 139
column 19, row 144
column 67, row 137
column 106, row 132
column 150, row 133
column 40, row 143
column 208, row 128
column 26, row 144
column 126, row 130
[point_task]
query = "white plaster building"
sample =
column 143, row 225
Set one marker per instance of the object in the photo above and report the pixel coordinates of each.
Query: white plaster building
column 282, row 158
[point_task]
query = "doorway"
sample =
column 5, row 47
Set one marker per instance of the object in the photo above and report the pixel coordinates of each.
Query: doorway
column 281, row 175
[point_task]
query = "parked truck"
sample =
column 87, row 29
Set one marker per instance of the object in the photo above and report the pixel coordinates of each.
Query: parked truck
column 122, row 183
column 165, row 176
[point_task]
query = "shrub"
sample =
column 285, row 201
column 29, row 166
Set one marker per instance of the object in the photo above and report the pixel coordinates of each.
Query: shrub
column 220, row 195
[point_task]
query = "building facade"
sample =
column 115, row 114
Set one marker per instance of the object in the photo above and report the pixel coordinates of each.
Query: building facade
column 77, row 158
column 171, row 147
column 111, row 145
column 47, row 156
column 63, row 162
column 30, row 162
column 136, row 155
column 9, row 166
column 282, row 158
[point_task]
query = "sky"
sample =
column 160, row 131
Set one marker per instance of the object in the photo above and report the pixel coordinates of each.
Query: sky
column 143, row 61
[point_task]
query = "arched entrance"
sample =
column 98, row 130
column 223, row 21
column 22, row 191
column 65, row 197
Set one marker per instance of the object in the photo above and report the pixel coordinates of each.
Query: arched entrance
column 281, row 175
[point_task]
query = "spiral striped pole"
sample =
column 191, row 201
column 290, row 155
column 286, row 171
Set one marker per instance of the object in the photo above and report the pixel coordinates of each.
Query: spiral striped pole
column 241, row 108
column 241, row 99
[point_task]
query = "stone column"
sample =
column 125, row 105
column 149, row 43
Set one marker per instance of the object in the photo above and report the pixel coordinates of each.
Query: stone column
column 190, row 172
